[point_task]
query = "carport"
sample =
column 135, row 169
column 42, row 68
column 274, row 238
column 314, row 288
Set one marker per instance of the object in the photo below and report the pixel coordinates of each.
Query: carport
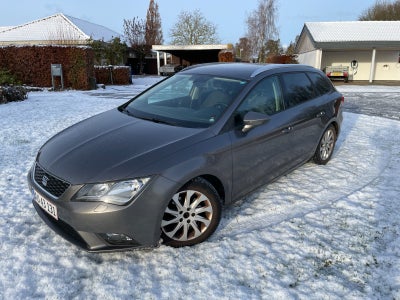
column 190, row 54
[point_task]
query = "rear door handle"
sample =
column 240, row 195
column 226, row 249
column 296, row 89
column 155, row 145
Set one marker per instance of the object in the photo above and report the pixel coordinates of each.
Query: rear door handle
column 287, row 130
column 320, row 114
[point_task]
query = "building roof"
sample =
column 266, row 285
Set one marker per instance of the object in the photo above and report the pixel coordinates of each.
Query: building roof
column 2, row 28
column 57, row 28
column 166, row 48
column 353, row 34
column 354, row 31
column 95, row 31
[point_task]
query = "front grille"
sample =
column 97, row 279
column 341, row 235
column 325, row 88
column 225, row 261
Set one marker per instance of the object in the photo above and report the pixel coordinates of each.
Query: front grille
column 54, row 186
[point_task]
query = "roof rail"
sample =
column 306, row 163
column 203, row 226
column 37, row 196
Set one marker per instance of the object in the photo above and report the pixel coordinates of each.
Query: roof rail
column 262, row 68
column 266, row 67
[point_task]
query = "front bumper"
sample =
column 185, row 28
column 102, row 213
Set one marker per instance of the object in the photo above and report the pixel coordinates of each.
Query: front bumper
column 89, row 225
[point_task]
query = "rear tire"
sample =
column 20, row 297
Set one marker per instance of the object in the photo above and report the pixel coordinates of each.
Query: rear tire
column 192, row 215
column 326, row 146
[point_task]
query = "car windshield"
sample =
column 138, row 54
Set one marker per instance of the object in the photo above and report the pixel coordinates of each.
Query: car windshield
column 188, row 100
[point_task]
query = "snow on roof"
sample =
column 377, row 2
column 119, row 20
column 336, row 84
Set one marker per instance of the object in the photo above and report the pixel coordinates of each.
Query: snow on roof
column 95, row 31
column 3, row 28
column 57, row 27
column 353, row 31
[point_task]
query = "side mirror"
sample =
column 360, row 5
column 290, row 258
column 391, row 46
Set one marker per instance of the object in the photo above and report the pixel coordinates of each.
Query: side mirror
column 253, row 119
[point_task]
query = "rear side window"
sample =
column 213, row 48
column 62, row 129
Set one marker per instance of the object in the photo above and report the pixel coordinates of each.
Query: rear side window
column 322, row 85
column 298, row 88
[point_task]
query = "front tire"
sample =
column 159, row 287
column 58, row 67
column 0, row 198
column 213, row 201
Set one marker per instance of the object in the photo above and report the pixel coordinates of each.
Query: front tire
column 192, row 215
column 325, row 147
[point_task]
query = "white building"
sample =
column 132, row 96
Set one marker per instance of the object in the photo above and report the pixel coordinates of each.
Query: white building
column 371, row 49
column 55, row 29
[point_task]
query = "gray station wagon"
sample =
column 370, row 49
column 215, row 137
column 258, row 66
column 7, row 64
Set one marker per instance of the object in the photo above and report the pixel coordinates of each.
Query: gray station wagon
column 159, row 168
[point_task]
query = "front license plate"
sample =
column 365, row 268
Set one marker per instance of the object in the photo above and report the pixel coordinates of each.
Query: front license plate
column 337, row 74
column 49, row 207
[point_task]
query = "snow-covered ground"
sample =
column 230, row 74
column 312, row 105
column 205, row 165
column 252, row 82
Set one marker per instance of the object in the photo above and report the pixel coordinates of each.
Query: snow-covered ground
column 321, row 232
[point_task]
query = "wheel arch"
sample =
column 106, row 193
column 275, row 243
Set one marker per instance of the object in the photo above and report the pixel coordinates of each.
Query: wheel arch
column 217, row 184
column 214, row 181
column 336, row 126
column 217, row 174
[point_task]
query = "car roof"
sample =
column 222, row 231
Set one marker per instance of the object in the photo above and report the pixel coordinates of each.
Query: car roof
column 244, row 71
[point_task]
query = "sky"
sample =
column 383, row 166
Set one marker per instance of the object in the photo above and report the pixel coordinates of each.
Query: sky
column 229, row 16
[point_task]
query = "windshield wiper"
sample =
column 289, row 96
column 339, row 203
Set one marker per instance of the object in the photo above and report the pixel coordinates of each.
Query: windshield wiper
column 152, row 119
column 125, row 110
column 155, row 120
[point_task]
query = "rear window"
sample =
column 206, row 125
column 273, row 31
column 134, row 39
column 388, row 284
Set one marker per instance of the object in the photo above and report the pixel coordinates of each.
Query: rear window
column 322, row 85
column 298, row 88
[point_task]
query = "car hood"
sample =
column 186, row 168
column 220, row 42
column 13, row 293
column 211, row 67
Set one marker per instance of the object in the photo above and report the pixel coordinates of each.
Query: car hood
column 113, row 146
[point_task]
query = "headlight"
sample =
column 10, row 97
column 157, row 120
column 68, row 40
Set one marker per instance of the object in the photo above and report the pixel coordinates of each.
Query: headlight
column 119, row 193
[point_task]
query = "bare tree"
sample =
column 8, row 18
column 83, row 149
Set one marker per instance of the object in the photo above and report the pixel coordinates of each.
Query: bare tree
column 261, row 28
column 134, row 31
column 193, row 29
column 153, row 34
column 382, row 11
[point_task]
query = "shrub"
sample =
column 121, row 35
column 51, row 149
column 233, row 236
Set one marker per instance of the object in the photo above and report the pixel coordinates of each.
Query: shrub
column 282, row 59
column 118, row 74
column 31, row 65
column 6, row 78
column 226, row 56
column 12, row 93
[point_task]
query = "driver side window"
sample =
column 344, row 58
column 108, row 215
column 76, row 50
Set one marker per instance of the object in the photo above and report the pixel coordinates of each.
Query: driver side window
column 266, row 97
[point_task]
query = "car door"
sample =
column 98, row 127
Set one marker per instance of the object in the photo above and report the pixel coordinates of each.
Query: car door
column 263, row 153
column 305, row 112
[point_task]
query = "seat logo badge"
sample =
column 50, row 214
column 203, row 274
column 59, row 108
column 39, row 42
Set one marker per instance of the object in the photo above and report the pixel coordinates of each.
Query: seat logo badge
column 45, row 179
